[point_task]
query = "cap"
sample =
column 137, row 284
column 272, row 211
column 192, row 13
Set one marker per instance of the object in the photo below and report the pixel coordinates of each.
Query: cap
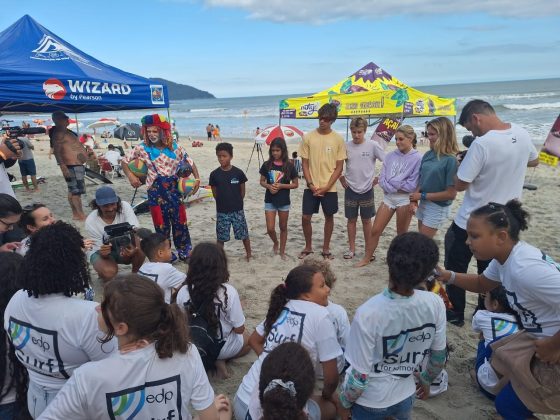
column 58, row 115
column 105, row 195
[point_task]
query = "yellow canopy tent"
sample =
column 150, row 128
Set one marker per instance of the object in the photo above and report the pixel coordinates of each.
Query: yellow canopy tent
column 370, row 91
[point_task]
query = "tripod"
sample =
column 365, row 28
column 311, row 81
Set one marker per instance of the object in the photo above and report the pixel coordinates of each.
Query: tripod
column 260, row 156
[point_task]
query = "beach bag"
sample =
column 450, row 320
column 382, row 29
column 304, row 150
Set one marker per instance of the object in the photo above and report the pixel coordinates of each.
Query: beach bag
column 536, row 383
column 208, row 344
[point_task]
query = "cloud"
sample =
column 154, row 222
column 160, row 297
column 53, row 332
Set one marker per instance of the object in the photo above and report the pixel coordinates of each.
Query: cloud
column 322, row 11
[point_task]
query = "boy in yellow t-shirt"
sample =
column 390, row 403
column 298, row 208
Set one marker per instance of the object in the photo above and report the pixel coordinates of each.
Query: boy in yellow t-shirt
column 323, row 154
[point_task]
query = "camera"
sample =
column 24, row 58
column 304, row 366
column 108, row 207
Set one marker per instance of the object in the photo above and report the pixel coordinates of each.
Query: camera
column 467, row 141
column 15, row 132
column 119, row 235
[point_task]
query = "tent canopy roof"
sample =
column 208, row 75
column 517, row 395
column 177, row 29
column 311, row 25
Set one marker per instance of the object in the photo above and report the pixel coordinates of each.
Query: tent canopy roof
column 370, row 91
column 41, row 72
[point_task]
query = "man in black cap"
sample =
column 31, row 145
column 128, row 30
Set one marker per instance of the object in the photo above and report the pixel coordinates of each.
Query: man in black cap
column 70, row 155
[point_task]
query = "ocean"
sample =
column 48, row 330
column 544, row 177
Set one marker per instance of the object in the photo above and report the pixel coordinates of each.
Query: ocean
column 533, row 104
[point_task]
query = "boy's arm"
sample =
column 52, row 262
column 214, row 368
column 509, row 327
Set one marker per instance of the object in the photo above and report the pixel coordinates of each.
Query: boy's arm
column 242, row 190
column 214, row 192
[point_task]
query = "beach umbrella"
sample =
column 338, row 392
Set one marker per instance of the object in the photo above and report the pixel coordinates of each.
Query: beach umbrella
column 104, row 122
column 288, row 132
column 73, row 124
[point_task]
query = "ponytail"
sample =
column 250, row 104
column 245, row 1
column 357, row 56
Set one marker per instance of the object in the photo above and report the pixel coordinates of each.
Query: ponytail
column 510, row 216
column 298, row 281
column 171, row 335
column 279, row 403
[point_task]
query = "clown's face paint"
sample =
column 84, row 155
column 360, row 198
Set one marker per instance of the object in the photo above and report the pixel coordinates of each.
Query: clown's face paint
column 153, row 134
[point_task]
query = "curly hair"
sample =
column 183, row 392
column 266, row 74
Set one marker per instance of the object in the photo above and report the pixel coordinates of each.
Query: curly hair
column 94, row 206
column 324, row 266
column 10, row 264
column 289, row 362
column 208, row 271
column 225, row 147
column 139, row 302
column 298, row 282
column 411, row 257
column 55, row 262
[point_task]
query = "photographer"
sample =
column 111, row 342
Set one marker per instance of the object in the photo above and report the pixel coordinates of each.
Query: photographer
column 493, row 170
column 108, row 209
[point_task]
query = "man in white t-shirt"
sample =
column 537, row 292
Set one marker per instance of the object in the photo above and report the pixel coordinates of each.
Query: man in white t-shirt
column 114, row 157
column 493, row 170
column 110, row 210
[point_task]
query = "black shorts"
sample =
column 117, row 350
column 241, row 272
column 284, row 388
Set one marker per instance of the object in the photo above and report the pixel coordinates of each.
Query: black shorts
column 209, row 133
column 310, row 203
column 354, row 202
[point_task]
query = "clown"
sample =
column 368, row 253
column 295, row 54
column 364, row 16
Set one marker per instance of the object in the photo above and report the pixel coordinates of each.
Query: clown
column 165, row 160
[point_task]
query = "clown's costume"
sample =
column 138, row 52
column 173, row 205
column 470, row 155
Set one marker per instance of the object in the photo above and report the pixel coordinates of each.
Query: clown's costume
column 163, row 159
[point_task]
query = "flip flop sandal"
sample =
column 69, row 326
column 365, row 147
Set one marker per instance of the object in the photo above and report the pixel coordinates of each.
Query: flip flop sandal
column 304, row 254
column 348, row 255
column 327, row 255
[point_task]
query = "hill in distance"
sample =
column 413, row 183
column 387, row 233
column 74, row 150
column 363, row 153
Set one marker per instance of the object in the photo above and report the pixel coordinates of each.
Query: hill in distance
column 178, row 91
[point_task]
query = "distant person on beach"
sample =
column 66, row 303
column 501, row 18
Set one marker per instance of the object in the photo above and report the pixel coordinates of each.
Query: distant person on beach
column 359, row 181
column 114, row 157
column 27, row 165
column 399, row 177
column 436, row 189
column 228, row 189
column 323, row 153
column 167, row 162
column 501, row 151
column 71, row 156
column 278, row 177
column 216, row 133
column 209, row 131
column 257, row 131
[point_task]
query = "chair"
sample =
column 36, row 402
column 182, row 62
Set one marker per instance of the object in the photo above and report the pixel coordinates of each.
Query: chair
column 106, row 167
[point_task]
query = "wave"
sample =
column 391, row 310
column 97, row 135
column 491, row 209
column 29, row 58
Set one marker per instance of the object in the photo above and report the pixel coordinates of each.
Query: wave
column 509, row 96
column 541, row 105
column 208, row 109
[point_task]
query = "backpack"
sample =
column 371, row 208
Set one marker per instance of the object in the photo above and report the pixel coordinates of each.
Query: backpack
column 208, row 345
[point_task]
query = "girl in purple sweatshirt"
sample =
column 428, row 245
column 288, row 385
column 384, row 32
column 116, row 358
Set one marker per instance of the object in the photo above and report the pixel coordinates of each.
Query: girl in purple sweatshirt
column 399, row 177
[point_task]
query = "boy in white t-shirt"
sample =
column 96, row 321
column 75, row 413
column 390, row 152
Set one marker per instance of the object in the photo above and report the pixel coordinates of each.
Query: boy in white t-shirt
column 390, row 335
column 157, row 248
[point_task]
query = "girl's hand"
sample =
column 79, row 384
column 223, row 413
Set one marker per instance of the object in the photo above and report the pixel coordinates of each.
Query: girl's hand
column 134, row 181
column 547, row 350
column 273, row 188
column 195, row 187
column 422, row 389
column 444, row 275
column 415, row 196
column 343, row 182
column 344, row 413
column 88, row 244
column 413, row 206
column 375, row 181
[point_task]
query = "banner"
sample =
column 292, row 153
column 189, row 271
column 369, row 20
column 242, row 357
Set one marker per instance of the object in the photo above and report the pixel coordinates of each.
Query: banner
column 547, row 159
column 552, row 142
column 385, row 131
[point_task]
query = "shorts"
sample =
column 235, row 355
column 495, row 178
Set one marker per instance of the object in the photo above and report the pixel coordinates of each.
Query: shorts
column 224, row 221
column 232, row 346
column 27, row 167
column 75, row 181
column 274, row 207
column 38, row 398
column 396, row 200
column 209, row 133
column 310, row 203
column 432, row 215
column 400, row 411
column 240, row 409
column 354, row 202
column 114, row 255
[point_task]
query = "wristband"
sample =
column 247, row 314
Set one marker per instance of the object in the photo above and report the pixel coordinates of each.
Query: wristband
column 452, row 278
column 423, row 195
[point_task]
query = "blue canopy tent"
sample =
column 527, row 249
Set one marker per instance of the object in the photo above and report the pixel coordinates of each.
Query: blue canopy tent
column 40, row 72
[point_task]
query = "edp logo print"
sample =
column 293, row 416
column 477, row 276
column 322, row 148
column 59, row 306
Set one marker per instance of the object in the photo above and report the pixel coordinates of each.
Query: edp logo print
column 153, row 400
column 37, row 348
column 402, row 352
column 502, row 328
column 288, row 327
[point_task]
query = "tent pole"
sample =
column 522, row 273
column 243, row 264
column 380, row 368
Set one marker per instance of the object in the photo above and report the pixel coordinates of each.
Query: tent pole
column 77, row 124
column 347, row 120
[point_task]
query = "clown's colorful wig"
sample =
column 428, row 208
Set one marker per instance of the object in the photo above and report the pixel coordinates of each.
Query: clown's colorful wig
column 159, row 121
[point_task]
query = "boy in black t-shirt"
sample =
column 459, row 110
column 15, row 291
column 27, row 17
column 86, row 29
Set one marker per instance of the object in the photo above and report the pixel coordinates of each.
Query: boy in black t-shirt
column 228, row 188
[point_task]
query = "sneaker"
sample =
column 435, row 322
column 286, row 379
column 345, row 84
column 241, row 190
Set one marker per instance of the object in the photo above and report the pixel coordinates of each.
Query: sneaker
column 455, row 318
column 174, row 258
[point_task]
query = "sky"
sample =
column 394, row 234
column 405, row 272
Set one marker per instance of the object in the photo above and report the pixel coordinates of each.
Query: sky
column 236, row 48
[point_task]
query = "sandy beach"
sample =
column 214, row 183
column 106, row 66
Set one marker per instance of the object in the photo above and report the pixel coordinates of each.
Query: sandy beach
column 255, row 280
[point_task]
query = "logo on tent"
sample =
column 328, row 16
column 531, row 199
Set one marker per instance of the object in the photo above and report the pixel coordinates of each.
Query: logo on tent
column 50, row 49
column 157, row 94
column 54, row 89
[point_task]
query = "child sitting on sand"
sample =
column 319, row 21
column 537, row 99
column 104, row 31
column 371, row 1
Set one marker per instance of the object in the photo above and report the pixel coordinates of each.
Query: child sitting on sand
column 498, row 320
column 34, row 217
column 390, row 334
column 157, row 248
column 285, row 386
column 207, row 281
column 228, row 189
column 278, row 177
column 297, row 312
column 337, row 313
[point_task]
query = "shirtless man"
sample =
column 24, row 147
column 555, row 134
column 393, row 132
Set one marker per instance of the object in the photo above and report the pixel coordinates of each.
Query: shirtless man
column 71, row 156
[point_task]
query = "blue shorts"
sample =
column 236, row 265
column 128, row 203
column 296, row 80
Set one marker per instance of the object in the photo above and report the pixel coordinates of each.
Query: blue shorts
column 225, row 221
column 399, row 411
column 27, row 167
column 432, row 215
column 273, row 207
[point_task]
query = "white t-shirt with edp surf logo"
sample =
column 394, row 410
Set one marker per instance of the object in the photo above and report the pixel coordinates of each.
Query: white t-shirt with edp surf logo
column 302, row 322
column 53, row 335
column 389, row 337
column 135, row 385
